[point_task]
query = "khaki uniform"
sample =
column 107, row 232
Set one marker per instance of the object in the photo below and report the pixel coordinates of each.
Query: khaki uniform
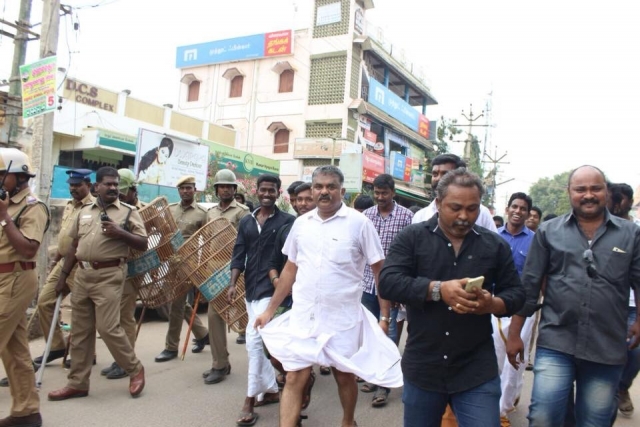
column 189, row 220
column 17, row 289
column 97, row 293
column 128, row 304
column 47, row 297
column 217, row 327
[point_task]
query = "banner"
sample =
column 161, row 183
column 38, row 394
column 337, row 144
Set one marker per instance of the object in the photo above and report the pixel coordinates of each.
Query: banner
column 372, row 166
column 163, row 159
column 38, row 87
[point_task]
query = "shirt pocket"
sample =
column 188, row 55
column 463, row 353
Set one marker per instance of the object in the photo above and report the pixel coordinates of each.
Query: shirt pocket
column 84, row 226
column 617, row 266
column 340, row 250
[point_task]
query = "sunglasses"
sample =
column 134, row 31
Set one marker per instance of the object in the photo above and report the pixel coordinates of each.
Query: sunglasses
column 591, row 266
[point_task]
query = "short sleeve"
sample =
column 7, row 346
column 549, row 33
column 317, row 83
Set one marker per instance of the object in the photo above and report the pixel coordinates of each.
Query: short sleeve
column 290, row 248
column 136, row 226
column 370, row 243
column 33, row 221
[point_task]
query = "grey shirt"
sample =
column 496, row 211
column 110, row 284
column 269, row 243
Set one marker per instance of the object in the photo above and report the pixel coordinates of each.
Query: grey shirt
column 582, row 316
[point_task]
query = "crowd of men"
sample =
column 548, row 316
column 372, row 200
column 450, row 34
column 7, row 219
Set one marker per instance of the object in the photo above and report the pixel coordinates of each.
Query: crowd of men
column 334, row 286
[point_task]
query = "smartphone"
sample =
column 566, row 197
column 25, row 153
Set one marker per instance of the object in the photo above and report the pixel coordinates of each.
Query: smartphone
column 475, row 283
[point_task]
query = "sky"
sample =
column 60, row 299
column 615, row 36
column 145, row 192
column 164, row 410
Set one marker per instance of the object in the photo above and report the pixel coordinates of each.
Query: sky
column 560, row 78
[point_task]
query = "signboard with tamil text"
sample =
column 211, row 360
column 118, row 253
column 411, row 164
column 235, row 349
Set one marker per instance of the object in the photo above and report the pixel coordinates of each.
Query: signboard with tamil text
column 397, row 165
column 236, row 49
column 38, row 87
column 372, row 166
column 351, row 167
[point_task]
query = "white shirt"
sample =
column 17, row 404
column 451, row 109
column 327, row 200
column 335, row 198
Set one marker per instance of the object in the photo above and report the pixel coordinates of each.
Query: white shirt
column 330, row 255
column 484, row 219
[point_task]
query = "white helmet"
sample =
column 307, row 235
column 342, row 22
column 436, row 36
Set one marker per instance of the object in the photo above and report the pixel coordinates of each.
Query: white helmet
column 18, row 160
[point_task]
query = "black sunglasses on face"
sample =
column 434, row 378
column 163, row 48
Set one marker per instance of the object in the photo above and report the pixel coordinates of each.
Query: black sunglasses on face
column 591, row 266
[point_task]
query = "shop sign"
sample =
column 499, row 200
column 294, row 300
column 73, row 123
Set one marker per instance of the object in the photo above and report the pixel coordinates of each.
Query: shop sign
column 372, row 166
column 351, row 167
column 392, row 104
column 407, row 169
column 397, row 166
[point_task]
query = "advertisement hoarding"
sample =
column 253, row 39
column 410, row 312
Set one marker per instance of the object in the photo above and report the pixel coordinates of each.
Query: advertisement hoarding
column 392, row 104
column 372, row 166
column 38, row 87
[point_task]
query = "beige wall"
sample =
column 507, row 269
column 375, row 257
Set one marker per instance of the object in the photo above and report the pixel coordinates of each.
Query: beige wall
column 144, row 111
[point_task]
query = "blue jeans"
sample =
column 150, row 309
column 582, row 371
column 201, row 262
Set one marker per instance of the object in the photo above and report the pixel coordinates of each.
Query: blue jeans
column 370, row 302
column 554, row 374
column 633, row 358
column 479, row 406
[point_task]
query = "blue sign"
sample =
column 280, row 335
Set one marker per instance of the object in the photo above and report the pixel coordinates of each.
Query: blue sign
column 237, row 49
column 397, row 165
column 59, row 186
column 392, row 104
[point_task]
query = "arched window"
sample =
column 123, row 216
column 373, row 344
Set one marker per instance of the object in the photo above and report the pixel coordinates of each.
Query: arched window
column 286, row 81
column 194, row 91
column 281, row 141
column 236, row 87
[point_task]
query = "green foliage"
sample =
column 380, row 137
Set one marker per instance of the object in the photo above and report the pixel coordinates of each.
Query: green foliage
column 550, row 194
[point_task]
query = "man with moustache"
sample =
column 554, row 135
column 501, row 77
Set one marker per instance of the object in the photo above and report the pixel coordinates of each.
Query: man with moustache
column 327, row 249
column 251, row 255
column 79, row 185
column 102, row 235
column 440, row 165
column 449, row 356
column 519, row 238
column 225, row 186
column 591, row 260
column 23, row 222
column 189, row 217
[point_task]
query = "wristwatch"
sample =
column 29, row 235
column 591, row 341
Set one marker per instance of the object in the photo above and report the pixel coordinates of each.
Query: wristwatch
column 385, row 319
column 3, row 223
column 435, row 292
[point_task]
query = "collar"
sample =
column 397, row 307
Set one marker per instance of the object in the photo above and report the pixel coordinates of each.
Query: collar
column 233, row 204
column 393, row 211
column 608, row 218
column 20, row 195
column 116, row 204
column 275, row 211
column 433, row 226
column 524, row 231
column 86, row 201
column 342, row 212
column 193, row 205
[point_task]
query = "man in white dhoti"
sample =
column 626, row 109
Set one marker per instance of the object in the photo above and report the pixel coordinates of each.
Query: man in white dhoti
column 328, row 249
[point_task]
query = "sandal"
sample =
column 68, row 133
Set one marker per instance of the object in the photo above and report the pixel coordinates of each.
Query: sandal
column 269, row 399
column 306, row 399
column 325, row 370
column 380, row 397
column 359, row 380
column 368, row 388
column 247, row 418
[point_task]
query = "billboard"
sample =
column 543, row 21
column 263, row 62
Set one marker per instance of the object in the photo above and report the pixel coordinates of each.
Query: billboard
column 38, row 87
column 392, row 104
column 236, row 49
column 162, row 159
column 397, row 165
column 372, row 166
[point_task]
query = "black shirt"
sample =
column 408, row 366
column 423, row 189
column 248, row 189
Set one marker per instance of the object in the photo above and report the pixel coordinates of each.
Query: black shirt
column 252, row 252
column 448, row 352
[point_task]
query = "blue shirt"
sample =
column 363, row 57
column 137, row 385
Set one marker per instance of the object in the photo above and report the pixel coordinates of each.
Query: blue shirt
column 519, row 244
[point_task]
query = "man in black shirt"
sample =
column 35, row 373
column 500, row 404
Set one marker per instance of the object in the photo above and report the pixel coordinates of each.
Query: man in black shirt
column 251, row 255
column 449, row 356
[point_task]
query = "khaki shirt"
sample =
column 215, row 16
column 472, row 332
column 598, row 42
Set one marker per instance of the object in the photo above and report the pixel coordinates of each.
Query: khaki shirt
column 189, row 219
column 234, row 213
column 93, row 245
column 68, row 219
column 32, row 224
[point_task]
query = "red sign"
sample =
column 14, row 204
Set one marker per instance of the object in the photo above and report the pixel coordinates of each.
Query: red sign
column 370, row 136
column 423, row 126
column 278, row 43
column 372, row 166
column 407, row 169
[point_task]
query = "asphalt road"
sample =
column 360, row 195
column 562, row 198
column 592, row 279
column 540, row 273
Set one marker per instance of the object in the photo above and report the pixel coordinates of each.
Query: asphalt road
column 175, row 394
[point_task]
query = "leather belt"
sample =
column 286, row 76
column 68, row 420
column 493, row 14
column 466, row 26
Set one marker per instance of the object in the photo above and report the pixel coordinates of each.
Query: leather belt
column 97, row 265
column 9, row 267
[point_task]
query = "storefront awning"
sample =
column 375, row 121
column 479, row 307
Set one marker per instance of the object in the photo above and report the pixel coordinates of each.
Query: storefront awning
column 413, row 193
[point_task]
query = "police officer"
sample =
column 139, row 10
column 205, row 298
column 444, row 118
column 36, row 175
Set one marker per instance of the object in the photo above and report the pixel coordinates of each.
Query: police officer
column 225, row 185
column 190, row 217
column 102, row 235
column 23, row 222
column 128, row 193
column 79, row 185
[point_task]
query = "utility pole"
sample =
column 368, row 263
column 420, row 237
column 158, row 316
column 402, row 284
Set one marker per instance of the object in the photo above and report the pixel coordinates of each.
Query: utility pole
column 490, row 179
column 10, row 129
column 42, row 140
column 469, row 140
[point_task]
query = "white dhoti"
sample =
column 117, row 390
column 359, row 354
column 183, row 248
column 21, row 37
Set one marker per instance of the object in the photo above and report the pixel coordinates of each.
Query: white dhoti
column 363, row 350
column 511, row 380
column 261, row 375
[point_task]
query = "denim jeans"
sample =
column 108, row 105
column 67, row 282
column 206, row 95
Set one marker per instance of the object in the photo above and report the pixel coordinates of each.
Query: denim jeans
column 479, row 406
column 370, row 302
column 633, row 358
column 554, row 374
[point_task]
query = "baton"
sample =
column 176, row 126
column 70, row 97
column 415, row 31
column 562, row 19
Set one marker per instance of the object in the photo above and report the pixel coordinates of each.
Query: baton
column 54, row 324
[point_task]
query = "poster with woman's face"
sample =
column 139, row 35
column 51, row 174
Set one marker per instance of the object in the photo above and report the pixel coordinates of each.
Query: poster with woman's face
column 163, row 159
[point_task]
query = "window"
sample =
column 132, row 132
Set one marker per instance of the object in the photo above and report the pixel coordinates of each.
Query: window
column 236, row 87
column 194, row 91
column 281, row 141
column 286, row 81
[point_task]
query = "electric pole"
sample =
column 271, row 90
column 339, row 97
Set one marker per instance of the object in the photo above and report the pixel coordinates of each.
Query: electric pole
column 469, row 140
column 490, row 179
column 42, row 139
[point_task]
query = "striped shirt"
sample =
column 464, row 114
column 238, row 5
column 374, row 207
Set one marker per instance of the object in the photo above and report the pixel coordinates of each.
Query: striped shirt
column 387, row 229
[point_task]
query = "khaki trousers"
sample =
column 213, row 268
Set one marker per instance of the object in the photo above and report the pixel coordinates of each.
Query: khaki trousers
column 17, row 290
column 217, row 339
column 181, row 310
column 47, row 303
column 95, row 302
column 128, row 312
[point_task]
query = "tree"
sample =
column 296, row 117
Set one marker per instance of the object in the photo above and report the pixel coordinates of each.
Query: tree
column 550, row 194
